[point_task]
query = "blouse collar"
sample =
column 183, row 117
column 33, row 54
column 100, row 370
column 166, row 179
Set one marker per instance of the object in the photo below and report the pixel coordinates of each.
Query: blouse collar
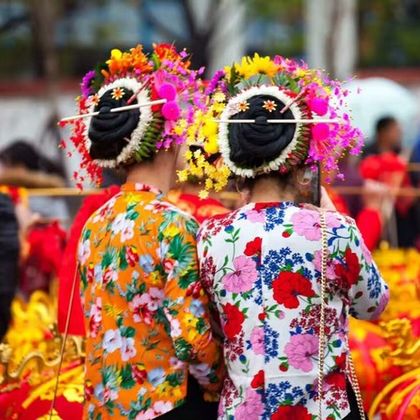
column 139, row 187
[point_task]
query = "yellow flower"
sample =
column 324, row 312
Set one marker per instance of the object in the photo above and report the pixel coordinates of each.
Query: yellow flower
column 210, row 127
column 171, row 231
column 183, row 175
column 116, row 54
column 209, row 184
column 180, row 127
column 211, row 147
column 219, row 97
column 250, row 66
column 203, row 194
column 190, row 320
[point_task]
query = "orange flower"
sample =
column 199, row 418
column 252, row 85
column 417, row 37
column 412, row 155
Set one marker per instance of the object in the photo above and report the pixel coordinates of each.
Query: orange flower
column 269, row 105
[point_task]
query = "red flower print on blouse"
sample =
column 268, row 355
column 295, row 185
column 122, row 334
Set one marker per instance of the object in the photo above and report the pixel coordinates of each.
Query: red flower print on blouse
column 295, row 412
column 258, row 380
column 288, row 286
column 336, row 379
column 234, row 320
column 349, row 271
column 253, row 248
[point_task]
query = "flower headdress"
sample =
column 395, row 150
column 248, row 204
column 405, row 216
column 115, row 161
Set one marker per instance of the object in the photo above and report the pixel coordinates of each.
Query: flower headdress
column 159, row 92
column 260, row 92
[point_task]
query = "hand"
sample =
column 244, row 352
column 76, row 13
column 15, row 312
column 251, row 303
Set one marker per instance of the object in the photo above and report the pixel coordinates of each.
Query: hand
column 374, row 194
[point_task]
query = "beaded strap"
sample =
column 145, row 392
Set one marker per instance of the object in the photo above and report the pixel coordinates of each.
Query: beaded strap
column 322, row 338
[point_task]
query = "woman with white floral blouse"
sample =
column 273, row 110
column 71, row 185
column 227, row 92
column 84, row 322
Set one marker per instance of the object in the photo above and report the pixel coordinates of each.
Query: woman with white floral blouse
column 261, row 264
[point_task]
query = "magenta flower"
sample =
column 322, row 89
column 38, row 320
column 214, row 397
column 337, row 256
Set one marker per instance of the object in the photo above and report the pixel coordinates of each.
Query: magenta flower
column 86, row 83
column 257, row 340
column 252, row 408
column 300, row 350
column 242, row 279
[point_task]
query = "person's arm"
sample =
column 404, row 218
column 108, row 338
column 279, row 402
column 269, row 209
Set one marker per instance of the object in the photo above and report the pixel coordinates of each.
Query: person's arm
column 186, row 305
column 368, row 292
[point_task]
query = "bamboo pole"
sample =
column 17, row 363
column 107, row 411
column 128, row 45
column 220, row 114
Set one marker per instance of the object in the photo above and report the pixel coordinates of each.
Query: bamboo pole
column 74, row 192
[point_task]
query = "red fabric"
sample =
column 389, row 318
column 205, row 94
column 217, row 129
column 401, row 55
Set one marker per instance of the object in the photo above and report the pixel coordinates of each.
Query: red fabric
column 390, row 169
column 46, row 245
column 201, row 209
column 68, row 268
column 370, row 225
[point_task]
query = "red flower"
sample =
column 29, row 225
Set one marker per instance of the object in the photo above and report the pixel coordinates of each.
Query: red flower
column 336, row 379
column 258, row 380
column 295, row 412
column 234, row 320
column 253, row 248
column 139, row 373
column 349, row 271
column 288, row 286
column 340, row 361
column 132, row 255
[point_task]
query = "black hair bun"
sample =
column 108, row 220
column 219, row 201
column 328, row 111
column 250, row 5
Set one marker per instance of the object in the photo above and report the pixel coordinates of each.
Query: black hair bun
column 109, row 132
column 252, row 145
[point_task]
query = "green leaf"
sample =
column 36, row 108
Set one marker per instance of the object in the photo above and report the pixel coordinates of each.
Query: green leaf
column 187, row 279
column 128, row 332
column 183, row 349
column 127, row 380
column 175, row 379
column 122, row 258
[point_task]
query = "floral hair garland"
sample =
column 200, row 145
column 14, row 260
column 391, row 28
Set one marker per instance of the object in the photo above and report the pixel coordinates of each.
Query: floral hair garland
column 163, row 74
column 315, row 96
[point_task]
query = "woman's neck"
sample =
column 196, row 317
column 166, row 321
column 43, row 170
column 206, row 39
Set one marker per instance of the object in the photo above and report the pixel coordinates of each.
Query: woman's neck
column 159, row 173
column 268, row 190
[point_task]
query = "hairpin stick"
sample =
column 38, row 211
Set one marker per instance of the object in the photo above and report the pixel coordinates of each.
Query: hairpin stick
column 119, row 109
column 302, row 121
column 295, row 99
column 134, row 95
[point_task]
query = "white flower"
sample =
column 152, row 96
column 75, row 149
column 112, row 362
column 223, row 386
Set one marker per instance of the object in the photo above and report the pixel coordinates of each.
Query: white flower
column 128, row 349
column 84, row 251
column 128, row 231
column 112, row 340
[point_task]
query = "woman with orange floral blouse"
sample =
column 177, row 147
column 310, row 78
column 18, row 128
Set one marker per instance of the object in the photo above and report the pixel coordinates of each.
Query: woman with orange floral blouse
column 146, row 314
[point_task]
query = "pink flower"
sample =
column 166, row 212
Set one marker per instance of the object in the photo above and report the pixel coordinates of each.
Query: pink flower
column 251, row 408
column 154, row 298
column 162, row 407
column 255, row 216
column 167, row 91
column 306, row 223
column 318, row 105
column 95, row 318
column 140, row 307
column 257, row 340
column 300, row 350
column 242, row 279
column 171, row 111
column 330, row 265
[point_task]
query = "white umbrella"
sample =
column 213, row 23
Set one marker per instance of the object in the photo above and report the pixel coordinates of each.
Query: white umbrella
column 376, row 97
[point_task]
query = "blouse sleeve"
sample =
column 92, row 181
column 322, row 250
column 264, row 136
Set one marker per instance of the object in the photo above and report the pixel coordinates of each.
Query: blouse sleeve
column 368, row 292
column 187, row 305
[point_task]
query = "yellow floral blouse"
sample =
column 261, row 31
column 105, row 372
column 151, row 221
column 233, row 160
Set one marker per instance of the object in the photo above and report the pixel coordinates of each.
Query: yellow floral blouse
column 145, row 311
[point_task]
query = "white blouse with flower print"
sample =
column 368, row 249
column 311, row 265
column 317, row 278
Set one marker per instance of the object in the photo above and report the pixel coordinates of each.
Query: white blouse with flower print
column 261, row 266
